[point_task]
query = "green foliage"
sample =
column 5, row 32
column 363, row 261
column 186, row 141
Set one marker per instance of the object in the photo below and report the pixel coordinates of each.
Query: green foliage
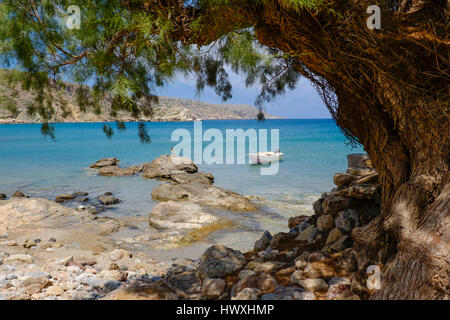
column 126, row 52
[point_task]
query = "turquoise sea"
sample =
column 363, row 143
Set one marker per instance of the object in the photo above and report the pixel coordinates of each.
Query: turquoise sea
column 314, row 150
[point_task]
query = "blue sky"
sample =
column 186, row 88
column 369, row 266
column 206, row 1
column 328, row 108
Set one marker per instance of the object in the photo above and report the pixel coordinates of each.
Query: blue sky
column 302, row 102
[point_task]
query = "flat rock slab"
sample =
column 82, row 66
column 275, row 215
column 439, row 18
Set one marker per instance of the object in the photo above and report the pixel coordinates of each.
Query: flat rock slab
column 203, row 194
column 180, row 215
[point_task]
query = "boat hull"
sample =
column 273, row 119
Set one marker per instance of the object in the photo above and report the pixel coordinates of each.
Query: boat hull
column 265, row 157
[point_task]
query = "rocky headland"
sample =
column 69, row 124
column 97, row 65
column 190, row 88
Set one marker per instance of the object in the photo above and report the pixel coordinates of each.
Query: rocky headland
column 14, row 102
column 51, row 251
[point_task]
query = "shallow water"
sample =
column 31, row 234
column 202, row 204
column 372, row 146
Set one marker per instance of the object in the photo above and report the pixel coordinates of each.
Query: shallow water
column 314, row 150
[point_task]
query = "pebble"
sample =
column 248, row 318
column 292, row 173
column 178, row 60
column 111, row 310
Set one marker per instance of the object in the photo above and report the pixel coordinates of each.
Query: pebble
column 4, row 235
column 90, row 280
column 213, row 288
column 269, row 266
column 54, row 290
column 118, row 254
column 313, row 284
column 244, row 273
column 247, row 294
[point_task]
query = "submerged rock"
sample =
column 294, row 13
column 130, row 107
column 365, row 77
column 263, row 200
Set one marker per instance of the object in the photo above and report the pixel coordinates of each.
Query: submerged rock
column 203, row 194
column 116, row 171
column 64, row 197
column 218, row 261
column 180, row 215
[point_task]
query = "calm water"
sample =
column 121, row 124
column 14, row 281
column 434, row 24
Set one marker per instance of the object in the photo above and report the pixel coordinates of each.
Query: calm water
column 314, row 150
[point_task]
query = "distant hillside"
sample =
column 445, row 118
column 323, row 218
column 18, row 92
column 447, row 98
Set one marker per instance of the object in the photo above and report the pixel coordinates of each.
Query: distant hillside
column 14, row 102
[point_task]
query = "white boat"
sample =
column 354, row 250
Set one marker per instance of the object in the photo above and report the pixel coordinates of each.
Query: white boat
column 265, row 157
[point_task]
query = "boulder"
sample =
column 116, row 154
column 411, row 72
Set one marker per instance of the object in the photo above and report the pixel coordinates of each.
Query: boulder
column 334, row 204
column 280, row 239
column 344, row 179
column 218, row 261
column 164, row 166
column 325, row 223
column 2, row 196
column 333, row 236
column 318, row 208
column 357, row 159
column 263, row 242
column 308, row 234
column 347, row 220
column 203, row 194
column 19, row 194
column 105, row 162
column 212, row 288
column 249, row 281
column 180, row 215
column 108, row 200
column 295, row 221
column 267, row 282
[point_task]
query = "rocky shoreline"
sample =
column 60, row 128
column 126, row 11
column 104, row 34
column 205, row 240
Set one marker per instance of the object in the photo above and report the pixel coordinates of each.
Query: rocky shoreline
column 51, row 251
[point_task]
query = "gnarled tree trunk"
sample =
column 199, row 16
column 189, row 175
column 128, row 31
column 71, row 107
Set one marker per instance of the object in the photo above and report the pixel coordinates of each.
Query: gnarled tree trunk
column 391, row 94
column 389, row 90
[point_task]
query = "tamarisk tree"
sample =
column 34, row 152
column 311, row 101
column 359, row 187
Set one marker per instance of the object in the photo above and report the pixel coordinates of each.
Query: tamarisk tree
column 385, row 83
